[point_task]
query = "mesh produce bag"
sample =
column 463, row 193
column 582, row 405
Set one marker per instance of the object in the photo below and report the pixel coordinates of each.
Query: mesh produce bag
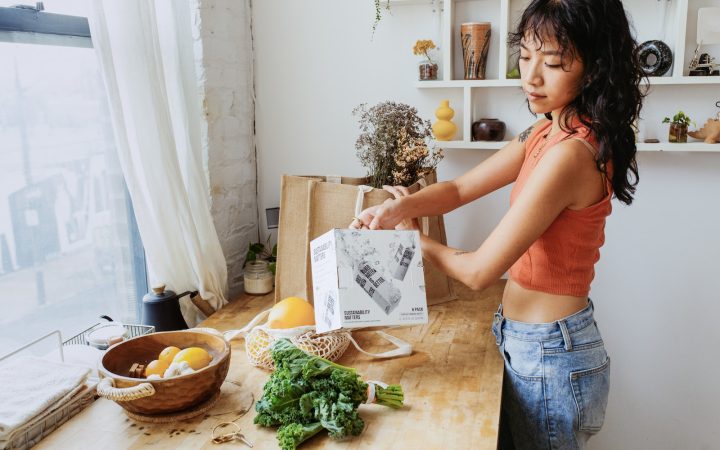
column 259, row 339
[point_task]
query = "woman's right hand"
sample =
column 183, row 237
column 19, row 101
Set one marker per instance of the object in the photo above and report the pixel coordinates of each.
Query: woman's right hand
column 384, row 216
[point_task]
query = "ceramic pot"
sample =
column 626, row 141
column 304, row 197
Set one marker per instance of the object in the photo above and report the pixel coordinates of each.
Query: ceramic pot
column 488, row 130
column 475, row 40
column 678, row 133
column 444, row 129
column 655, row 58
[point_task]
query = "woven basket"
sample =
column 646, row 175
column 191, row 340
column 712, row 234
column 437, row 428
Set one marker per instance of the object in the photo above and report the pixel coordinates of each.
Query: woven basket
column 142, row 396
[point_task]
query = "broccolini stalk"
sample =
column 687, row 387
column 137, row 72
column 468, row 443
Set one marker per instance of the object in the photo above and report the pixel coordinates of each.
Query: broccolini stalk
column 292, row 435
column 386, row 395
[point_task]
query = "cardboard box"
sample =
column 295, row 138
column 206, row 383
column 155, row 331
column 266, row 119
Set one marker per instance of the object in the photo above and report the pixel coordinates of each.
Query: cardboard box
column 367, row 278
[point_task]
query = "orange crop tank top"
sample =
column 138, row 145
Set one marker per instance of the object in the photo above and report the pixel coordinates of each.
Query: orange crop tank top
column 562, row 260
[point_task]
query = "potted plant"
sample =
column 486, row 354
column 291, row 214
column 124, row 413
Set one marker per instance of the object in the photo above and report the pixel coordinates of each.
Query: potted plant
column 261, row 252
column 428, row 69
column 396, row 145
column 678, row 127
column 259, row 268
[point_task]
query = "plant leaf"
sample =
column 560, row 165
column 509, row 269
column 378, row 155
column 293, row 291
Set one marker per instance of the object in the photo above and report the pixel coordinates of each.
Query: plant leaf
column 251, row 256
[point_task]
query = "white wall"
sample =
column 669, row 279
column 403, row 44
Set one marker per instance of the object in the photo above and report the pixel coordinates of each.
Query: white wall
column 655, row 289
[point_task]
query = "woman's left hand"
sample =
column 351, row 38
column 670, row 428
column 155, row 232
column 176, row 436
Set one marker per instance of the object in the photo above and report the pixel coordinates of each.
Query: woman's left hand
column 397, row 192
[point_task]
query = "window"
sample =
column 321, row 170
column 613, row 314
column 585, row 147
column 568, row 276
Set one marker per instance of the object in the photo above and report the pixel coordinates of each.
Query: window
column 69, row 247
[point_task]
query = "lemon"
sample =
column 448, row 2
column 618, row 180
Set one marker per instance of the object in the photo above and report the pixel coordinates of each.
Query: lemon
column 156, row 367
column 290, row 313
column 196, row 357
column 168, row 354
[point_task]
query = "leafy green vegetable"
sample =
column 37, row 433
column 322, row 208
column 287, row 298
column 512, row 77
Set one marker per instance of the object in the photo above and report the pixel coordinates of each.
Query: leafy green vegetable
column 280, row 401
column 294, row 434
column 392, row 396
column 307, row 391
column 339, row 416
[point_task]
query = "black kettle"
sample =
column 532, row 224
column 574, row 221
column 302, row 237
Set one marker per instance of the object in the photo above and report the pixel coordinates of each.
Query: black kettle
column 161, row 309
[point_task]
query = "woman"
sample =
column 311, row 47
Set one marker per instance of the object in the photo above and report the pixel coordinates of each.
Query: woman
column 578, row 69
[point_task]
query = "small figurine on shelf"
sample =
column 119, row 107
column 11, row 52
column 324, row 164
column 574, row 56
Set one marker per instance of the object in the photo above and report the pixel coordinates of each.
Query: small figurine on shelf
column 710, row 132
column 703, row 64
column 428, row 69
column 678, row 127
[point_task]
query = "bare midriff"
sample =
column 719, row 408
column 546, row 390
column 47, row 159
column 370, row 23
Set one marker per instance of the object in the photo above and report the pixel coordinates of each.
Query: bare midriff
column 526, row 305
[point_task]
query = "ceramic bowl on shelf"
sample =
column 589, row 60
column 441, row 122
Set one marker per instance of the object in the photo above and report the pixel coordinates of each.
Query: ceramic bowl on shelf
column 488, row 130
column 162, row 396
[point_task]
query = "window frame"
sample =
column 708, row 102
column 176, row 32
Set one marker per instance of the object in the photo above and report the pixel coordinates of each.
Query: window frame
column 28, row 25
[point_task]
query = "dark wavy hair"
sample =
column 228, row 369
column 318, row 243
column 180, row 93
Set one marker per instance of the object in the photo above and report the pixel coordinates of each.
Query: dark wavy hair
column 610, row 97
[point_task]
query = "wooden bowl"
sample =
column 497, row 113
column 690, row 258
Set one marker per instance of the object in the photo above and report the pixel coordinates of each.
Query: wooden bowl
column 142, row 396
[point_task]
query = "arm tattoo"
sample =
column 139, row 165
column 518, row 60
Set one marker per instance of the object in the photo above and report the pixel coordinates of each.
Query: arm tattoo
column 525, row 134
column 461, row 252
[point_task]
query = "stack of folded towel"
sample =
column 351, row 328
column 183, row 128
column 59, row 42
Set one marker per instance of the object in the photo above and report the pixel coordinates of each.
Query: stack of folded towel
column 31, row 388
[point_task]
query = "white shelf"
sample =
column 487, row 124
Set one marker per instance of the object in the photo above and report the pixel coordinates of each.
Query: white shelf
column 503, row 19
column 685, row 80
column 670, row 147
column 476, row 145
column 514, row 83
column 394, row 3
column 641, row 146
column 467, row 83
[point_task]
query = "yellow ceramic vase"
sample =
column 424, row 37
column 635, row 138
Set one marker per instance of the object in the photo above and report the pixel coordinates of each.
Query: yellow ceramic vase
column 444, row 129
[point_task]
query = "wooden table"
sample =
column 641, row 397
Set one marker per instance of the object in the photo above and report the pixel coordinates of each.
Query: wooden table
column 452, row 385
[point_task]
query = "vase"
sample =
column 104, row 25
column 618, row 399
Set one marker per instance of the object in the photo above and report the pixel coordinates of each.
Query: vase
column 655, row 58
column 488, row 130
column 475, row 40
column 444, row 129
column 678, row 133
column 427, row 70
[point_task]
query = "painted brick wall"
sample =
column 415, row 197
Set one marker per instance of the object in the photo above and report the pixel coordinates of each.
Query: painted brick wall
column 224, row 65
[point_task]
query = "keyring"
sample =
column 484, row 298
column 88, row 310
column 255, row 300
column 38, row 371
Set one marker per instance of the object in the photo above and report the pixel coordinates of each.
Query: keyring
column 225, row 437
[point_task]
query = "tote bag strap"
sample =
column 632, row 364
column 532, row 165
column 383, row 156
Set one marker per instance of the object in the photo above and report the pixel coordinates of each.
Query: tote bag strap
column 402, row 348
column 242, row 332
column 363, row 189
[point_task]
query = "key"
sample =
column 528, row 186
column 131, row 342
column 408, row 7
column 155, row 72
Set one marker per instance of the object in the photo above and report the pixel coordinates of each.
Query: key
column 242, row 438
column 231, row 437
column 223, row 438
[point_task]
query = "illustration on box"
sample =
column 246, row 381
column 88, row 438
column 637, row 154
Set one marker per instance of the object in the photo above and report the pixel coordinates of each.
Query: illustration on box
column 368, row 278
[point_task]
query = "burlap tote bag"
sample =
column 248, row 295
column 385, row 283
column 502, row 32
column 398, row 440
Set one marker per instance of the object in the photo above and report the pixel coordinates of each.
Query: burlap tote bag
column 312, row 205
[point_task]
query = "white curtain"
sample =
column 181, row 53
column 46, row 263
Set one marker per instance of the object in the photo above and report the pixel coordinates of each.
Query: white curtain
column 146, row 53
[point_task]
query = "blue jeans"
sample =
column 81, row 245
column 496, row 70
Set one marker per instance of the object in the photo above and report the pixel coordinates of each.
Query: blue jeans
column 557, row 378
